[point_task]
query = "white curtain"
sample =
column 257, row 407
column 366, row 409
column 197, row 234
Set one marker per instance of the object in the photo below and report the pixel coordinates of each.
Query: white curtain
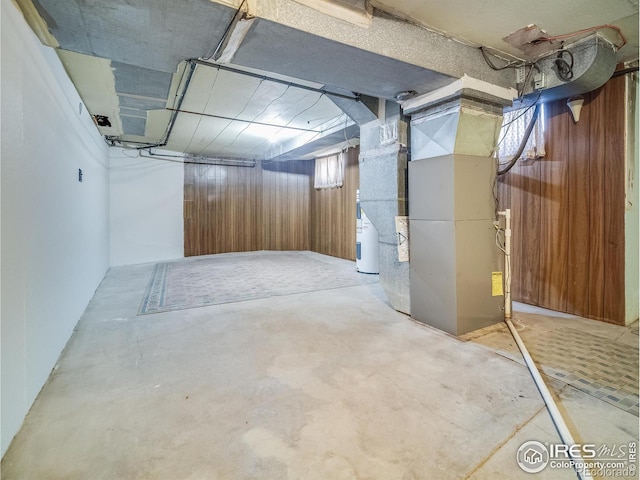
column 514, row 125
column 329, row 171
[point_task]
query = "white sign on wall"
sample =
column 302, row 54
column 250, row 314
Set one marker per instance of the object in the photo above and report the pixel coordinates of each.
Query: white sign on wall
column 402, row 233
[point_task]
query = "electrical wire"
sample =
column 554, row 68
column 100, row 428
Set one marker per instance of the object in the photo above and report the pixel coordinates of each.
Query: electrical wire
column 565, row 69
column 236, row 17
column 352, row 96
column 175, row 97
column 493, row 66
column 254, row 118
column 523, row 143
column 498, row 243
column 215, row 80
column 522, row 88
column 587, row 30
column 222, row 130
column 332, row 123
column 303, row 111
column 624, row 71
column 337, row 120
column 260, row 145
column 125, row 149
column 327, row 126
column 241, row 120
column 191, row 66
column 544, row 56
column 494, row 186
column 494, row 193
column 513, row 120
column 513, row 64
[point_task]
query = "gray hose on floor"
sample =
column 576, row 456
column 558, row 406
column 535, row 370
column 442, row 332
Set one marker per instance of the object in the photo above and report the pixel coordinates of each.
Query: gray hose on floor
column 556, row 416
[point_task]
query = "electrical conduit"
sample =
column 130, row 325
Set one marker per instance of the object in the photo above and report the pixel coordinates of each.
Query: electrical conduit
column 552, row 408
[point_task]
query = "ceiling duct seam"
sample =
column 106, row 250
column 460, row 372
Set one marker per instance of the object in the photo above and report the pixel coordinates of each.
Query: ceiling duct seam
column 243, row 109
column 327, row 128
column 354, row 96
column 234, row 41
column 232, row 119
column 239, row 15
column 141, row 97
column 180, row 99
column 191, row 67
column 206, row 105
column 126, row 114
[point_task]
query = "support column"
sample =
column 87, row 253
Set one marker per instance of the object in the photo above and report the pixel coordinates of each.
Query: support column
column 383, row 167
column 452, row 206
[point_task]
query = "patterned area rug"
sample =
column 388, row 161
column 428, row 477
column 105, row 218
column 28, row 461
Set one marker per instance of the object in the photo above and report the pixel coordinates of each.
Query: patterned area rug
column 596, row 365
column 227, row 278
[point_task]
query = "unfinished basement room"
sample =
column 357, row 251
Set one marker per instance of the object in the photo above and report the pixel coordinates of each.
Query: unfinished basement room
column 319, row 240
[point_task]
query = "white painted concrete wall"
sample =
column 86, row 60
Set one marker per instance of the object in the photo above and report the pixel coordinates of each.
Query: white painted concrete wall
column 146, row 208
column 54, row 230
column 632, row 212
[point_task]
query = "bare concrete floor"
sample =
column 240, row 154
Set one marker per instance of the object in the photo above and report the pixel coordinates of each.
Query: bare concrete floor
column 324, row 385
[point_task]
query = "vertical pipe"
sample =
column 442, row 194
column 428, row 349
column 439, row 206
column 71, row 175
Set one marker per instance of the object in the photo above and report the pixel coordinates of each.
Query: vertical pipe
column 552, row 408
column 507, row 262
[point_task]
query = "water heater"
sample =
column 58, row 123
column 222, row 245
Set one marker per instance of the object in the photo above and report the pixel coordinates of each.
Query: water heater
column 367, row 259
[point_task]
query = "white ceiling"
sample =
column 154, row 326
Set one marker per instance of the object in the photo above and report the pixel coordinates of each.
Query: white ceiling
column 487, row 22
column 127, row 60
column 258, row 114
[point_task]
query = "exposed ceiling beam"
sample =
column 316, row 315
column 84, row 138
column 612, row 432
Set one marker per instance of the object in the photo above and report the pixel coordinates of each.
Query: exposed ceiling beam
column 360, row 112
column 293, row 150
column 387, row 36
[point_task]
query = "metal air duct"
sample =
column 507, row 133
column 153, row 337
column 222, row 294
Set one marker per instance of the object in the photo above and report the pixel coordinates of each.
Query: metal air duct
column 591, row 61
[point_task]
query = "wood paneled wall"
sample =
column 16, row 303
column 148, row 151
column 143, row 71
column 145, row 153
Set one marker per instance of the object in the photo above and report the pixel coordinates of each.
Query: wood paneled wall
column 568, row 208
column 238, row 209
column 270, row 207
column 221, row 209
column 333, row 214
column 285, row 205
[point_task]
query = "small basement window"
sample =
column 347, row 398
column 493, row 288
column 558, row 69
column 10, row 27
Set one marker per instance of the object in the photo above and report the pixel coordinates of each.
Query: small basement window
column 514, row 124
column 329, row 171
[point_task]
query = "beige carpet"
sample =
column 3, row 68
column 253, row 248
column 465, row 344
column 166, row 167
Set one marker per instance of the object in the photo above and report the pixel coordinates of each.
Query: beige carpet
column 227, row 278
